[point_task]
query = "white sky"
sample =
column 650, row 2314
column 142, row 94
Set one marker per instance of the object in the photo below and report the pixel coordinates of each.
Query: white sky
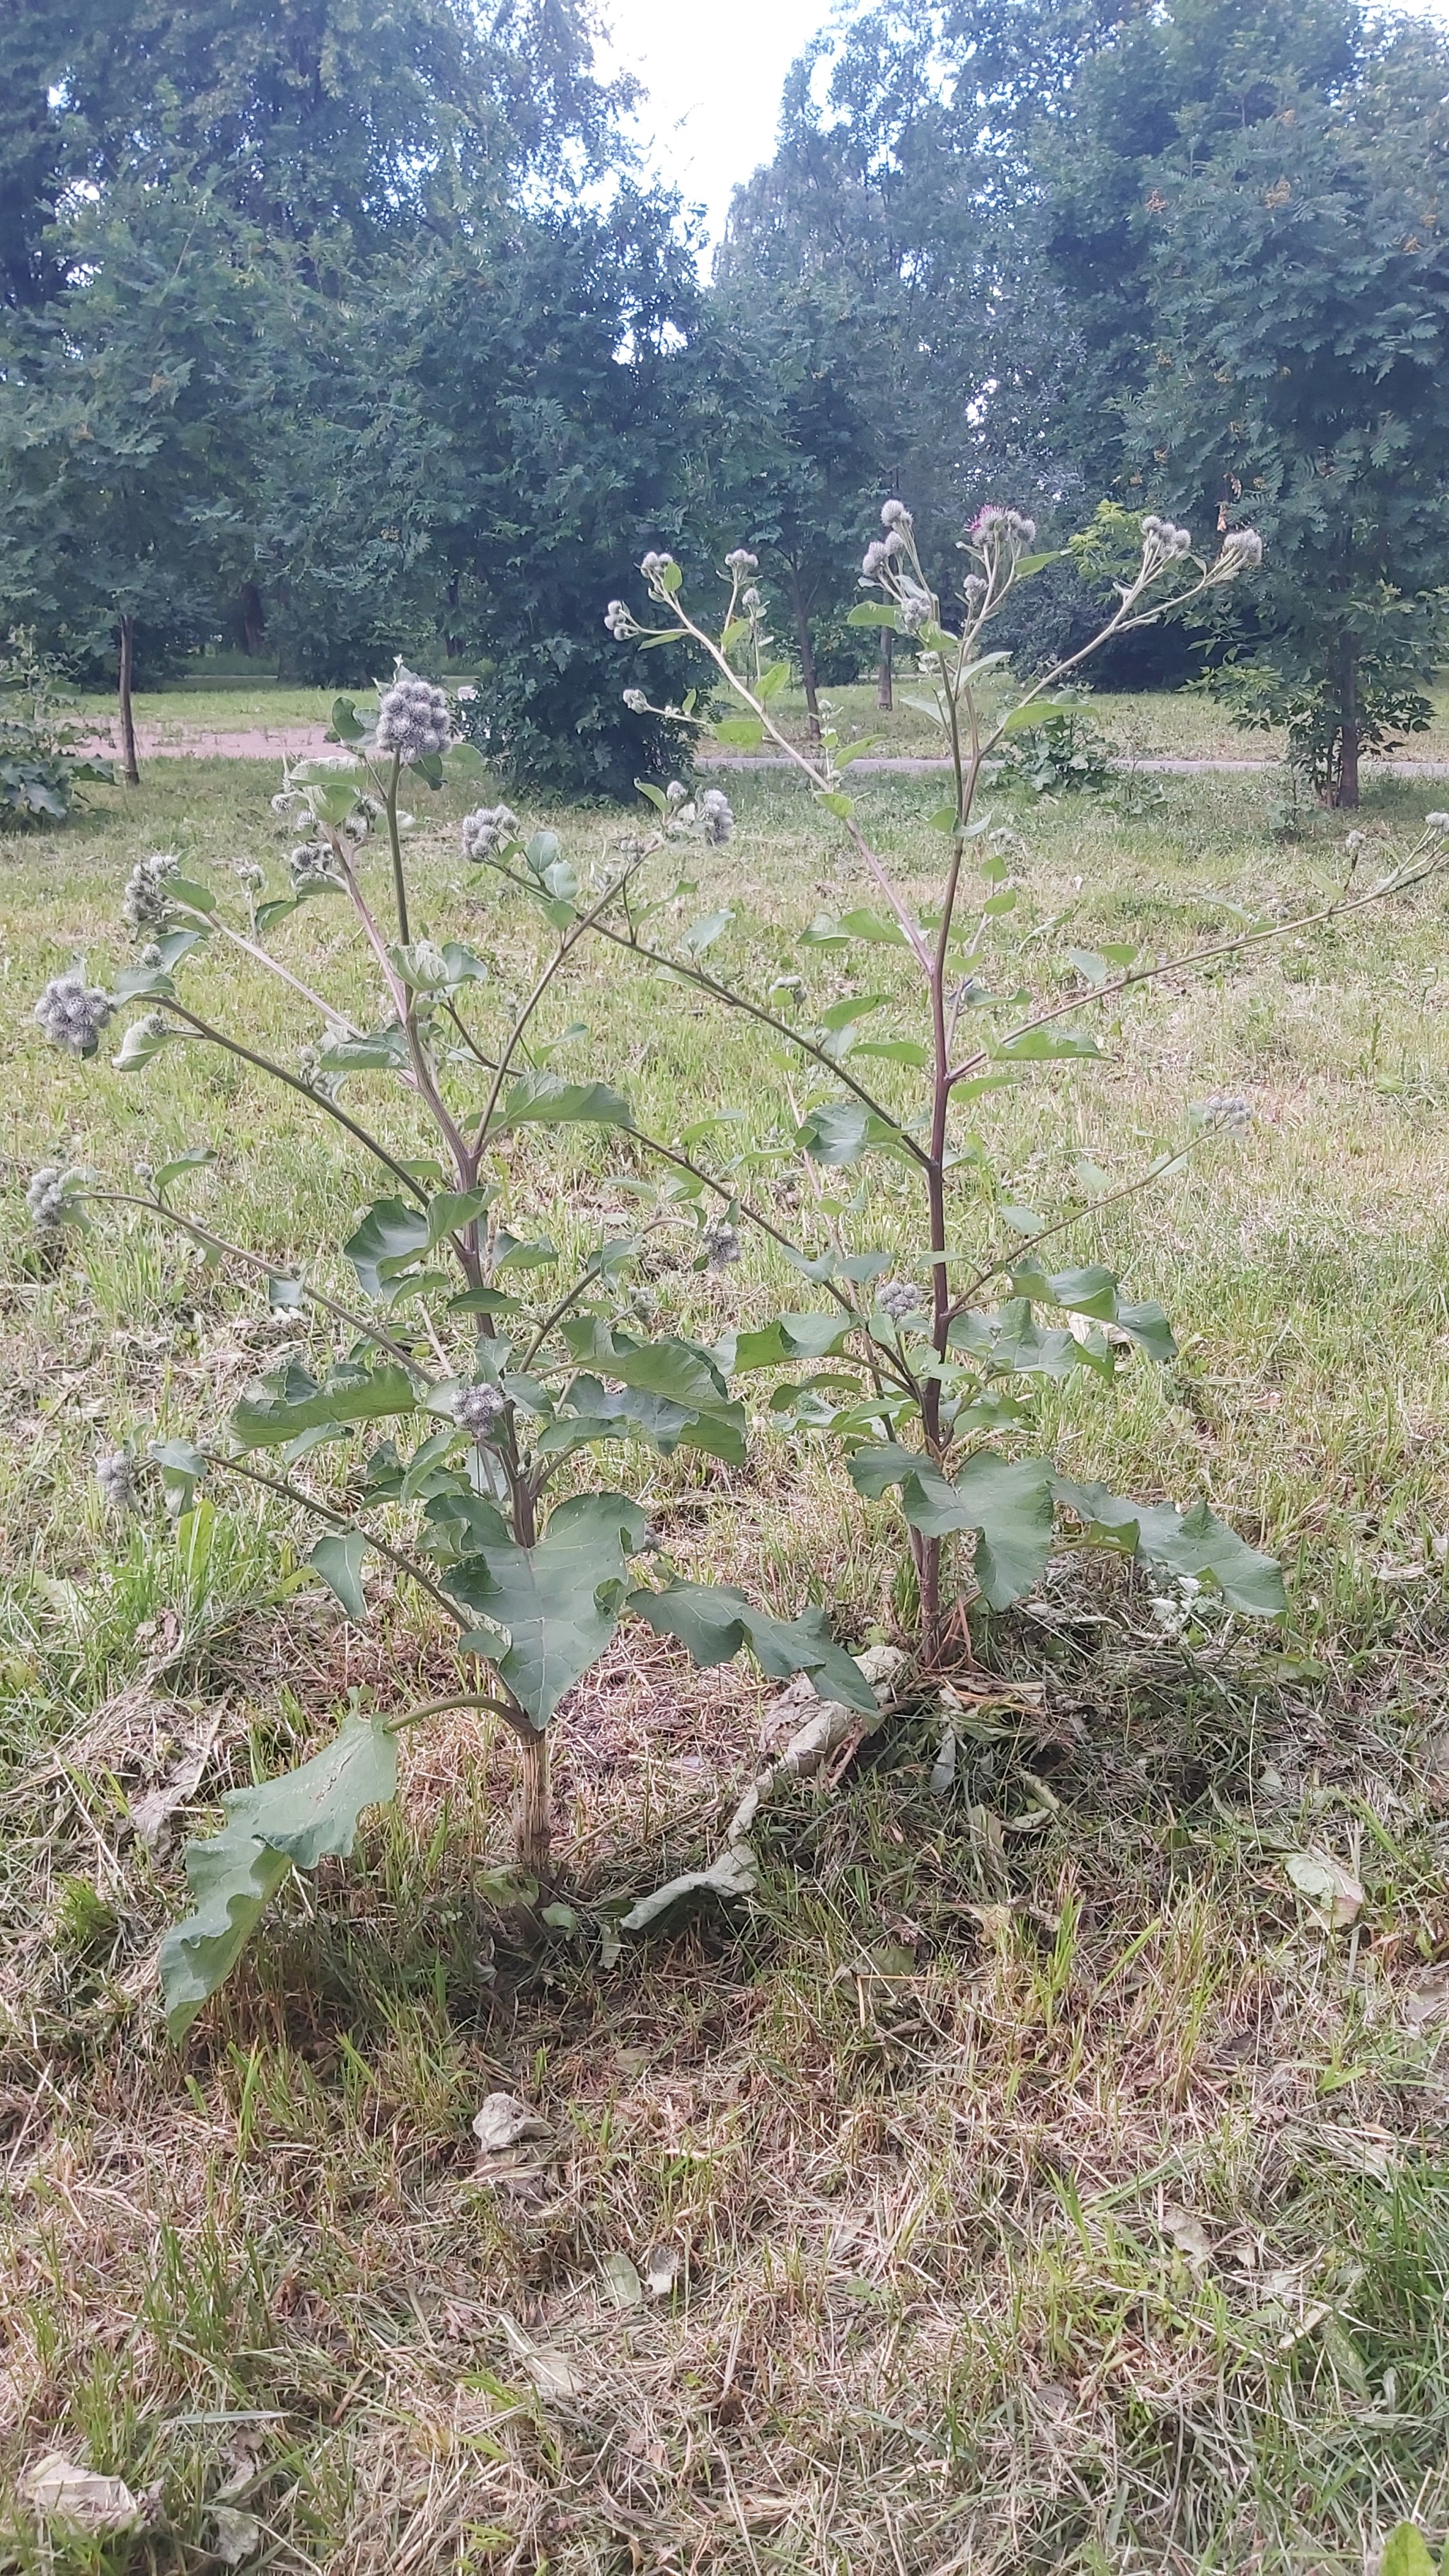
column 714, row 78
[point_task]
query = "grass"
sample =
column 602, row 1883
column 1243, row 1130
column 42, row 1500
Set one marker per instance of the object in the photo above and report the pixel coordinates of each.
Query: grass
column 1042, row 2187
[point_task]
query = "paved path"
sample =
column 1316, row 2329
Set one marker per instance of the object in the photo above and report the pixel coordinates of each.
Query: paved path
column 292, row 741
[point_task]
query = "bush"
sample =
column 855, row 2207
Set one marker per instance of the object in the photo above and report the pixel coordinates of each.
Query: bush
column 40, row 757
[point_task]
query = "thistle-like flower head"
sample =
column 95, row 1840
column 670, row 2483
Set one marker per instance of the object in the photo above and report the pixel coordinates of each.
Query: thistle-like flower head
column 145, row 904
column 412, row 718
column 73, row 1013
column 487, row 830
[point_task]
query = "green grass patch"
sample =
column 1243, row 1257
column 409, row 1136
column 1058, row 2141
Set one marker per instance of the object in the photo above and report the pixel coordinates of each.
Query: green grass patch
column 1031, row 2181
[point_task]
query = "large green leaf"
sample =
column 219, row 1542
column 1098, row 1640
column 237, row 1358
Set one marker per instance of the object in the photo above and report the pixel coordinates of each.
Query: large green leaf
column 781, row 1344
column 1408, row 2553
column 286, row 1824
column 1094, row 1291
column 558, row 1602
column 597, row 1413
column 1046, row 1046
column 680, row 1372
column 338, row 1559
column 1007, row 1502
column 392, row 1230
column 713, row 1622
column 840, row 1131
column 545, row 1099
column 1194, row 1542
column 290, row 1401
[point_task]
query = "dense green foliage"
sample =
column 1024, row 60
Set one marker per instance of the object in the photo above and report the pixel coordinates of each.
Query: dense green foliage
column 345, row 335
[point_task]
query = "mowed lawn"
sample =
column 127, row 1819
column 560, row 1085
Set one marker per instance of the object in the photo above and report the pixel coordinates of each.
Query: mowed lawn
column 1140, row 725
column 1033, row 2178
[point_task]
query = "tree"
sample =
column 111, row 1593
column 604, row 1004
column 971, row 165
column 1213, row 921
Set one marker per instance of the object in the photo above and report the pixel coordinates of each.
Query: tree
column 128, row 427
column 796, row 471
column 1301, row 299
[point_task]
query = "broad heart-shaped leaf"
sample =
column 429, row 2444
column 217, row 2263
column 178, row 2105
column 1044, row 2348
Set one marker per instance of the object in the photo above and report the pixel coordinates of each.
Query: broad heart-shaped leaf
column 712, row 1622
column 545, row 1099
column 1008, row 1502
column 278, row 1407
column 559, row 1602
column 392, row 1230
column 598, row 1413
column 840, row 1131
column 380, row 1051
column 679, row 1371
column 338, row 1559
column 788, row 1339
column 1093, row 1291
column 1046, row 1046
column 286, row 1824
column 1194, row 1542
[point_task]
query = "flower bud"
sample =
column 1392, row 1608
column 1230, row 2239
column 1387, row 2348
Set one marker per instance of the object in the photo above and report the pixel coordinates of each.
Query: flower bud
column 413, row 718
column 478, row 1410
column 717, row 816
column 144, row 905
column 73, row 1013
column 487, row 830
column 50, row 1196
column 897, row 1298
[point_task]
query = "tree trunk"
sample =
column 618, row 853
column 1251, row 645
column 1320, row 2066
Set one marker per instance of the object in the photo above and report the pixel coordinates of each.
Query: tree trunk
column 253, row 618
column 1348, row 729
column 532, row 1824
column 805, row 644
column 885, row 673
column 129, row 770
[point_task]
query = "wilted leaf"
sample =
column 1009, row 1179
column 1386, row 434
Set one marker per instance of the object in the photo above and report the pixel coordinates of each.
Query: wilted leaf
column 503, row 2120
column 664, row 2270
column 553, row 2375
column 1187, row 2233
column 235, row 2536
column 622, row 2281
column 943, row 1769
column 732, row 1875
column 1328, row 1886
column 61, row 2492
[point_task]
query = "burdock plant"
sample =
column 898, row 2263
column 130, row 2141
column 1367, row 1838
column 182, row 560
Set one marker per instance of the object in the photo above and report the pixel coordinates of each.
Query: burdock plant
column 925, row 1382
column 497, row 1375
